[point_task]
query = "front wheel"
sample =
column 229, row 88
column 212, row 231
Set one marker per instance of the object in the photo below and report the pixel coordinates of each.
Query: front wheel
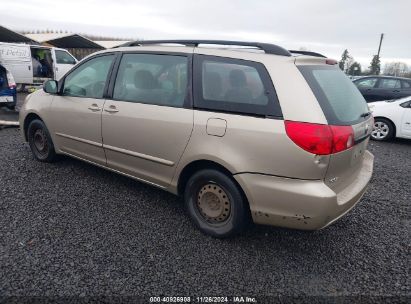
column 383, row 130
column 216, row 204
column 40, row 142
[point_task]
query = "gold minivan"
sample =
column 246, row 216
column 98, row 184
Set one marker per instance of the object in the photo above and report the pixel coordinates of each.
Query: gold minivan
column 243, row 131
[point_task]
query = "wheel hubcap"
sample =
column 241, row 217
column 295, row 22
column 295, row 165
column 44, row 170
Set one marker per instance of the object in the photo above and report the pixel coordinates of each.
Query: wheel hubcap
column 213, row 203
column 380, row 130
column 40, row 141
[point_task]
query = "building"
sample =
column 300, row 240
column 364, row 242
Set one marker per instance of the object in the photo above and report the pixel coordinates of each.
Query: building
column 7, row 35
column 76, row 44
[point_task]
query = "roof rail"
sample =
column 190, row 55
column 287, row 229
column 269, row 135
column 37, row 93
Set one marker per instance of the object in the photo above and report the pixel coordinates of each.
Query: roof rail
column 308, row 53
column 266, row 47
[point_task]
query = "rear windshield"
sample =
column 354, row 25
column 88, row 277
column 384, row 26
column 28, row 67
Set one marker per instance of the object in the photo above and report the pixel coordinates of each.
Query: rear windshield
column 340, row 100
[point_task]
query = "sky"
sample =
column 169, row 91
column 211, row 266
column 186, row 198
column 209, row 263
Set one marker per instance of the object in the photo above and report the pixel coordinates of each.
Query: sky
column 324, row 26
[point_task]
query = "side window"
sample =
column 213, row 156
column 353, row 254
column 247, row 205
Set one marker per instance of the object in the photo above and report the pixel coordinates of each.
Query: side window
column 152, row 79
column 366, row 83
column 406, row 84
column 63, row 57
column 389, row 84
column 89, row 79
column 234, row 85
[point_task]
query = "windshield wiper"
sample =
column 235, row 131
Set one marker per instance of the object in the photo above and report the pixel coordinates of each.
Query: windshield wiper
column 365, row 114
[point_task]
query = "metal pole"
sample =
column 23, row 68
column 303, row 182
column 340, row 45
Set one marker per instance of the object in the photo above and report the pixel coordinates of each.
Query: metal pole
column 379, row 47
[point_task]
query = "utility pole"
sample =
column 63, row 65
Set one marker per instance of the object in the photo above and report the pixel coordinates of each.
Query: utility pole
column 379, row 47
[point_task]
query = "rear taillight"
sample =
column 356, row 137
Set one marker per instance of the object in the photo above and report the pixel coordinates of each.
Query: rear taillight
column 331, row 61
column 320, row 139
column 343, row 138
column 10, row 80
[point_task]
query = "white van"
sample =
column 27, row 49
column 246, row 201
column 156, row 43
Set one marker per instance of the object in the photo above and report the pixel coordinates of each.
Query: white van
column 31, row 65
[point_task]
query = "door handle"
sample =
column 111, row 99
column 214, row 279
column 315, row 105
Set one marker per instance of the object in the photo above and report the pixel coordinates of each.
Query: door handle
column 94, row 107
column 111, row 109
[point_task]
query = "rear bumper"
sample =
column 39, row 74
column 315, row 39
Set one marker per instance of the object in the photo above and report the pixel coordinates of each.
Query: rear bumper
column 302, row 204
column 8, row 94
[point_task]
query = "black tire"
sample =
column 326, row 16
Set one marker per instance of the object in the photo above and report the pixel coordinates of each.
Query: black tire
column 383, row 130
column 233, row 221
column 40, row 142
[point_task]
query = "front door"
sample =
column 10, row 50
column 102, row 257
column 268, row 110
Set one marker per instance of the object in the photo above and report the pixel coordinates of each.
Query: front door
column 147, row 125
column 367, row 88
column 63, row 62
column 406, row 121
column 76, row 113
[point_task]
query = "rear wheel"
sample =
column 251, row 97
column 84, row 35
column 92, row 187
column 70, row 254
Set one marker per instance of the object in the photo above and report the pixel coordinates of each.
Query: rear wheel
column 216, row 204
column 40, row 142
column 383, row 130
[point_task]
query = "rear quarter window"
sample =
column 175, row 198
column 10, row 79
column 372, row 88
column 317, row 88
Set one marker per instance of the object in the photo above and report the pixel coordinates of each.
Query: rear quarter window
column 340, row 100
column 234, row 85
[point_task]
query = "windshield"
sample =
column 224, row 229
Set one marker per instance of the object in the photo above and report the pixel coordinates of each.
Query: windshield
column 340, row 100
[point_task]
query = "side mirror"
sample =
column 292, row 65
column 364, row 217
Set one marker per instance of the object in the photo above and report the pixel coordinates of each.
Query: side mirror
column 406, row 104
column 50, row 86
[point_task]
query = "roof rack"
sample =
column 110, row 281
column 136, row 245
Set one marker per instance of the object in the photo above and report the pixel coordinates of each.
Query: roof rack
column 266, row 47
column 308, row 53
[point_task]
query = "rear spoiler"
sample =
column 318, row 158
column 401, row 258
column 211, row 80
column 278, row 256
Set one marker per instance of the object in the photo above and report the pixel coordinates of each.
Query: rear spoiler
column 307, row 53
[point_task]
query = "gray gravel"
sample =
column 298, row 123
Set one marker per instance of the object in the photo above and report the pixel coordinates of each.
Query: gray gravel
column 69, row 229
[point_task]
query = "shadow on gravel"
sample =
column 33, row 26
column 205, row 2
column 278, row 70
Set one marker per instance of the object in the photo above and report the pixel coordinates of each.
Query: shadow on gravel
column 290, row 241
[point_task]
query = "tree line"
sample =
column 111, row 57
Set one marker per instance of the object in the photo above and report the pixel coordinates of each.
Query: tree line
column 353, row 68
column 91, row 37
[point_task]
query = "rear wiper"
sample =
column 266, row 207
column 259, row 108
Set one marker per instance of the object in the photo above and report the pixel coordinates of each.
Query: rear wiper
column 365, row 114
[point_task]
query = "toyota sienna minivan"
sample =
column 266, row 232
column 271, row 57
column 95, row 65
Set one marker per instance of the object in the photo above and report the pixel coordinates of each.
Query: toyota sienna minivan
column 242, row 131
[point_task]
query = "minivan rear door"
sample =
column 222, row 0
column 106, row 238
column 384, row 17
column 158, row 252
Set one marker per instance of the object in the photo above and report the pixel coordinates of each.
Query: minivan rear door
column 147, row 124
column 343, row 105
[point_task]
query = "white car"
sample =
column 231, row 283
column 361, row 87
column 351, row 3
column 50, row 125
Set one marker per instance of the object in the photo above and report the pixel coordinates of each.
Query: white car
column 392, row 118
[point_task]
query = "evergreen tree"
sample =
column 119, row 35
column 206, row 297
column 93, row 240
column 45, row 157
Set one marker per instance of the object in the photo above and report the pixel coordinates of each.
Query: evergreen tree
column 355, row 69
column 375, row 66
column 344, row 57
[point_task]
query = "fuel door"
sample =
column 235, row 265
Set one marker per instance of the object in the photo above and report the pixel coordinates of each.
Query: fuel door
column 216, row 127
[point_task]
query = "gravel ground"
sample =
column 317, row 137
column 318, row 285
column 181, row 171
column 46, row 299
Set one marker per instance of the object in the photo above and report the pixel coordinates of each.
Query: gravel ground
column 70, row 229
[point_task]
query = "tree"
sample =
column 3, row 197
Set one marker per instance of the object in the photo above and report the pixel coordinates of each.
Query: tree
column 396, row 69
column 345, row 55
column 375, row 66
column 355, row 69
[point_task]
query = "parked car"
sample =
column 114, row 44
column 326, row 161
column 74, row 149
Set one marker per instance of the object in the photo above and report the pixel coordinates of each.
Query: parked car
column 376, row 88
column 355, row 77
column 31, row 65
column 266, row 135
column 392, row 118
column 8, row 95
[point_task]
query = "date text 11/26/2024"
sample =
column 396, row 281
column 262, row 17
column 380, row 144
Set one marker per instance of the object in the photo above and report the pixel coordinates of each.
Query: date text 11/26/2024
column 234, row 299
